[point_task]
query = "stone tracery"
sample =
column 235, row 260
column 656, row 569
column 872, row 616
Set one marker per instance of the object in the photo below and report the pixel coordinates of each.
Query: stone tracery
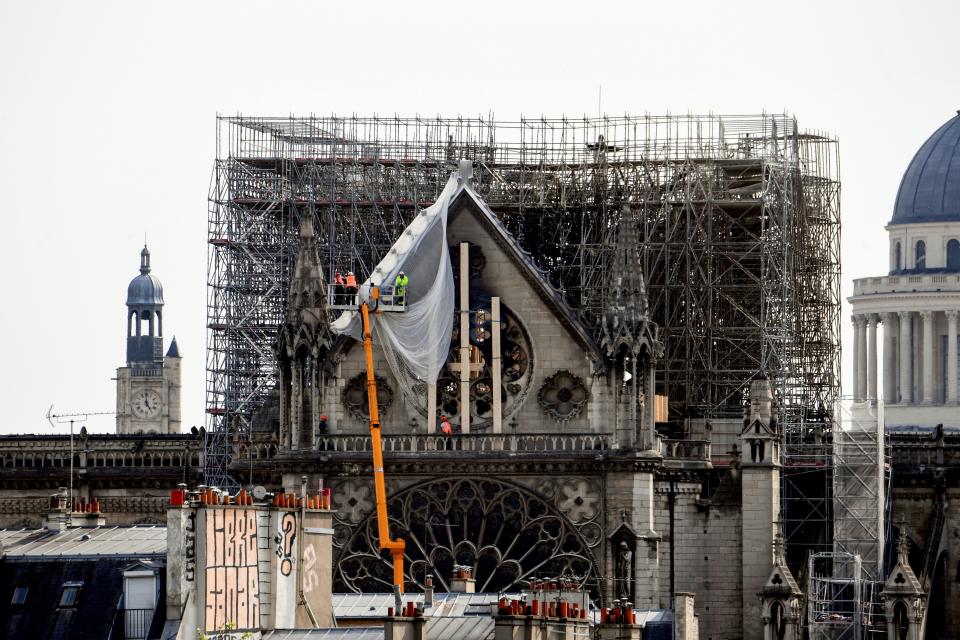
column 504, row 532
column 563, row 395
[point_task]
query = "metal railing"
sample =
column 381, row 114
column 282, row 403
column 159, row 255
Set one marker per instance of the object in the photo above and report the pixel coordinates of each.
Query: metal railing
column 344, row 300
column 133, row 624
column 475, row 443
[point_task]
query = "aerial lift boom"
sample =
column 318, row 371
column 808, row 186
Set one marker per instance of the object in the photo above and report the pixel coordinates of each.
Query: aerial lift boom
column 396, row 547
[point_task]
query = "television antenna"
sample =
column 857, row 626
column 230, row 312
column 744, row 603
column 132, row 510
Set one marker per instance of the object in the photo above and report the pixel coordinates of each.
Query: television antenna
column 63, row 418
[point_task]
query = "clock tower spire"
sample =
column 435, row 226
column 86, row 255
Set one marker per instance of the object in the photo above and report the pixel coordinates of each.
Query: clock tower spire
column 148, row 388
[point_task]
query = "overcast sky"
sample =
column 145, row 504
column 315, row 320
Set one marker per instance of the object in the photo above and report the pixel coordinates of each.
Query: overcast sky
column 107, row 128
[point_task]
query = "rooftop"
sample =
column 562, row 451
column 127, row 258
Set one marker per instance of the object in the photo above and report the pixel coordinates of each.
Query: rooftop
column 83, row 542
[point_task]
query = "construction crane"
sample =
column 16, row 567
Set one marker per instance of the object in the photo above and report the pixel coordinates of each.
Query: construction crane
column 396, row 547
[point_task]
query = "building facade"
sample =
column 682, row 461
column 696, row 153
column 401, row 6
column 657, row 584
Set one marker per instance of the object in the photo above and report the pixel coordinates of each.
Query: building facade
column 906, row 330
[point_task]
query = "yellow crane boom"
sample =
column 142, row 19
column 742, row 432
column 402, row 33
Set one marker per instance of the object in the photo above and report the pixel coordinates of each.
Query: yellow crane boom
column 396, row 547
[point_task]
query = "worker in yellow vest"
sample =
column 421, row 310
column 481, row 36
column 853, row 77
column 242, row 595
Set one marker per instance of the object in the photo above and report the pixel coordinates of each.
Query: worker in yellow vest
column 400, row 288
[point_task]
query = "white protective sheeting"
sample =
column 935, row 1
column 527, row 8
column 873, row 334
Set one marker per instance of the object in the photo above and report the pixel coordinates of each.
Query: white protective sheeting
column 416, row 341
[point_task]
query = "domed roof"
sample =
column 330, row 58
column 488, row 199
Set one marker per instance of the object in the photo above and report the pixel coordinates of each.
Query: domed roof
column 930, row 189
column 145, row 289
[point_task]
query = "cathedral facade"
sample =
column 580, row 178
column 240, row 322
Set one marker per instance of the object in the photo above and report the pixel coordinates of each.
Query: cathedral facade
column 574, row 483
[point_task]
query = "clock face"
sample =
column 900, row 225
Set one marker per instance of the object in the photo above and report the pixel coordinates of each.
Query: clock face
column 146, row 403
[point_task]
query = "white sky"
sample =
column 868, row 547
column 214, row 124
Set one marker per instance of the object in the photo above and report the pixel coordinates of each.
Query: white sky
column 107, row 128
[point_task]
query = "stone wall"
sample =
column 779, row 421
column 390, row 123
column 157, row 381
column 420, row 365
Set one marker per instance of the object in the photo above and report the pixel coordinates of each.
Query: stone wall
column 706, row 557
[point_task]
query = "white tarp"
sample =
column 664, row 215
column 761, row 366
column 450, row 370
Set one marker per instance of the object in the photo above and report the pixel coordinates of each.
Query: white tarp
column 416, row 341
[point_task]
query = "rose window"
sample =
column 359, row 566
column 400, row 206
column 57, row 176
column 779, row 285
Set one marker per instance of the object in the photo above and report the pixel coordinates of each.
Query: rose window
column 563, row 395
column 515, row 362
column 505, row 533
column 355, row 396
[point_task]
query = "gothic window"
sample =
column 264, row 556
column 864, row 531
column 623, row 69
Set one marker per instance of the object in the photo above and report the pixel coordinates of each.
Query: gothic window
column 505, row 533
column 953, row 255
column 901, row 624
column 897, row 257
column 777, row 624
column 920, row 255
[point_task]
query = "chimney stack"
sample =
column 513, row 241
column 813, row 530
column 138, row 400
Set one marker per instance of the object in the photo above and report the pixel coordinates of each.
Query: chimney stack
column 428, row 592
column 463, row 581
column 87, row 514
column 57, row 519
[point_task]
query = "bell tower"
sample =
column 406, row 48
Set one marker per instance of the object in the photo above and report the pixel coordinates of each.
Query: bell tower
column 148, row 387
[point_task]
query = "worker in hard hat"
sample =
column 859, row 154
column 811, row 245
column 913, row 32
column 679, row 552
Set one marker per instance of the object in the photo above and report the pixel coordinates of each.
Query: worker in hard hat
column 445, row 427
column 337, row 288
column 350, row 286
column 322, row 428
column 400, row 288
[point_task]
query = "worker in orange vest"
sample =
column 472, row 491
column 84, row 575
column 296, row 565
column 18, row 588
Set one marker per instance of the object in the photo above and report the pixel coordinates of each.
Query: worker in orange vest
column 351, row 286
column 445, row 426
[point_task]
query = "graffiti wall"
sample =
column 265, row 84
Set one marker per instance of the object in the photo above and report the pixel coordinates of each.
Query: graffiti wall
column 317, row 578
column 234, row 570
column 231, row 590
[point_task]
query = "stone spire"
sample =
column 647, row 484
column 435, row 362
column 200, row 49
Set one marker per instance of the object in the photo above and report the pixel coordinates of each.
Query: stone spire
column 630, row 339
column 308, row 321
column 626, row 317
column 302, row 343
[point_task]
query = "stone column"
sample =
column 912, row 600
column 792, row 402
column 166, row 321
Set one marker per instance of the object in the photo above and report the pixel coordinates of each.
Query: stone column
column 952, row 356
column 872, row 357
column 315, row 407
column 906, row 357
column 296, row 403
column 856, row 357
column 927, row 356
column 284, row 407
column 496, row 371
column 464, row 337
column 862, row 357
column 889, row 360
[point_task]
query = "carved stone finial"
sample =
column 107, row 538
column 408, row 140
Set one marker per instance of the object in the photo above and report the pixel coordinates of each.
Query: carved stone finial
column 626, row 318
column 903, row 543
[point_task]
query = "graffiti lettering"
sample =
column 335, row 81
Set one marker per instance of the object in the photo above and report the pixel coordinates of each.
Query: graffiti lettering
column 310, row 578
column 285, row 539
column 190, row 566
column 232, row 583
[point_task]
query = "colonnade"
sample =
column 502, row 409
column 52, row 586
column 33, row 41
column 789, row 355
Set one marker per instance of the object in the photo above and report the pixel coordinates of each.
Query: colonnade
column 900, row 375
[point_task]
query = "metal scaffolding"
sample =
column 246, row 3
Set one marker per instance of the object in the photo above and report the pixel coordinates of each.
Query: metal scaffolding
column 738, row 218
